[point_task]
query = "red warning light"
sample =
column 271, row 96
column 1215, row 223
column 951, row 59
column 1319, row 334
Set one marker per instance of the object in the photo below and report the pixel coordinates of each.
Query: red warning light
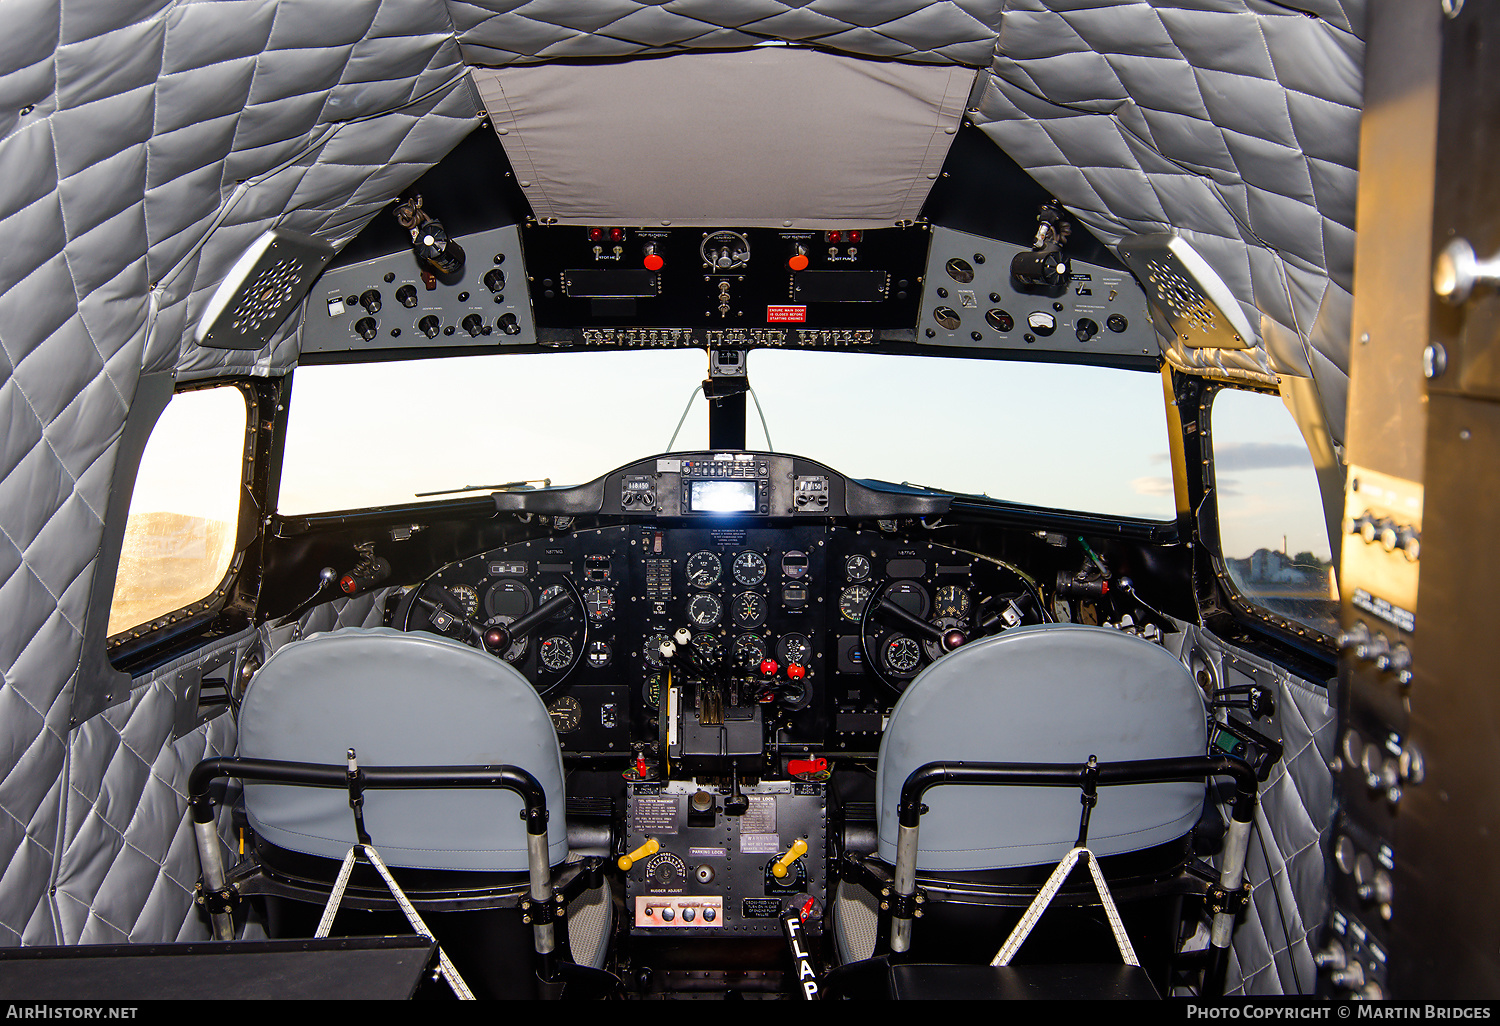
column 616, row 234
column 834, row 236
column 596, row 234
column 853, row 235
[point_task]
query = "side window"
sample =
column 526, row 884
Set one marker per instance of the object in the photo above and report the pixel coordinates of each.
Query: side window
column 184, row 511
column 1272, row 533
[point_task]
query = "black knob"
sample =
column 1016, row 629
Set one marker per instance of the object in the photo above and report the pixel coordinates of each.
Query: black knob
column 473, row 325
column 429, row 326
column 508, row 324
column 366, row 327
column 406, row 295
column 1116, row 323
column 1086, row 329
column 494, row 280
column 370, row 300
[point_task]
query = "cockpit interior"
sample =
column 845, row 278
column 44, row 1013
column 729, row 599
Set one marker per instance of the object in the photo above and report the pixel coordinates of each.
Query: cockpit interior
column 640, row 500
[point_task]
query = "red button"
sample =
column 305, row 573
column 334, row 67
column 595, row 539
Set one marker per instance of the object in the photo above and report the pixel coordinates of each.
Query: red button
column 654, row 262
column 798, row 262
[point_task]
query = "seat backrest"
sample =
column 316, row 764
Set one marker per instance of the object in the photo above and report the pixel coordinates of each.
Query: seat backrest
column 1055, row 693
column 400, row 699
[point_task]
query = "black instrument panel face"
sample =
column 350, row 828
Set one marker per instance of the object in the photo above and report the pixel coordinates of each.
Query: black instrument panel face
column 590, row 284
column 777, row 623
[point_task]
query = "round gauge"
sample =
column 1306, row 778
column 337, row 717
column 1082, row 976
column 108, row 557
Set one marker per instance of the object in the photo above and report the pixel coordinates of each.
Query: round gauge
column 653, row 648
column 707, row 651
column 952, row 602
column 748, row 609
column 704, row 609
column 549, row 593
column 852, row 602
column 517, row 650
column 857, row 567
column 903, row 655
column 599, row 603
column 910, row 596
column 1000, row 320
column 508, row 598
column 566, row 713
column 665, row 872
column 794, row 648
column 749, row 568
column 960, row 270
column 467, row 597
column 703, row 569
column 723, row 250
column 794, row 565
column 651, row 690
column 794, row 694
column 749, row 652
column 557, row 653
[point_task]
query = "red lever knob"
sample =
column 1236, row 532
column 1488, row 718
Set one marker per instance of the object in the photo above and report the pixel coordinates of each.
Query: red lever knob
column 768, row 667
column 795, row 671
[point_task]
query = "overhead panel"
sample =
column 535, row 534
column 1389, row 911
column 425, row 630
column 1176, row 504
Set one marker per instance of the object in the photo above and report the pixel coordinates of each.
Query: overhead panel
column 773, row 137
column 970, row 298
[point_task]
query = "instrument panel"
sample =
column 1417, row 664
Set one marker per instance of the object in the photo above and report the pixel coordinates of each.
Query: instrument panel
column 712, row 643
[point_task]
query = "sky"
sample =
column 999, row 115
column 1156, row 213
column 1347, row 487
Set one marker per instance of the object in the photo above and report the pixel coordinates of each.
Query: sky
column 1082, row 438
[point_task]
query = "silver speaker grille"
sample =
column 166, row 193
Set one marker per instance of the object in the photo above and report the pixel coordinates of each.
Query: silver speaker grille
column 262, row 289
column 1198, row 306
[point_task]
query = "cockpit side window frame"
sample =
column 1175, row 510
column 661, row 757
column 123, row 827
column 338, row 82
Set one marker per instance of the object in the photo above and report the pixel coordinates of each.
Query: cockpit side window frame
column 230, row 605
column 1224, row 608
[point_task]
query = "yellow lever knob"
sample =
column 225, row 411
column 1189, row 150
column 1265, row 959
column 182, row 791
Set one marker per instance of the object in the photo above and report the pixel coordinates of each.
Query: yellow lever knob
column 651, row 847
column 797, row 850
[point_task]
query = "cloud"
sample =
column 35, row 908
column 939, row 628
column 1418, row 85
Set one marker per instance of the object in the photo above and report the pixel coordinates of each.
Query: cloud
column 1259, row 456
column 1152, row 486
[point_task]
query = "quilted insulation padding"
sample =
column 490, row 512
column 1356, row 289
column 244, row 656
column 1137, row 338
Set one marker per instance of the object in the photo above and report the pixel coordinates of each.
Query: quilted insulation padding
column 498, row 32
column 144, row 144
column 1233, row 122
column 1286, row 866
column 1273, row 947
column 129, row 860
column 361, row 611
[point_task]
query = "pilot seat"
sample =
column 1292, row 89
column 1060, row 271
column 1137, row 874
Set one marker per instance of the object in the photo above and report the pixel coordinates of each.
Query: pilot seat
column 965, row 749
column 459, row 853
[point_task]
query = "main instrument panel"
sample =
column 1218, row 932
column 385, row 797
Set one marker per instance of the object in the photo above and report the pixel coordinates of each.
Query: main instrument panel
column 715, row 642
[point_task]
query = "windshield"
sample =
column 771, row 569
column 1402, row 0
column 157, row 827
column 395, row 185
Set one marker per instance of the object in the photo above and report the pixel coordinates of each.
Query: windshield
column 1080, row 438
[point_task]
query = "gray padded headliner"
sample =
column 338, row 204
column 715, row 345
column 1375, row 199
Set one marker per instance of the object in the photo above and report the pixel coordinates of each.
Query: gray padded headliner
column 400, row 700
column 1050, row 693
